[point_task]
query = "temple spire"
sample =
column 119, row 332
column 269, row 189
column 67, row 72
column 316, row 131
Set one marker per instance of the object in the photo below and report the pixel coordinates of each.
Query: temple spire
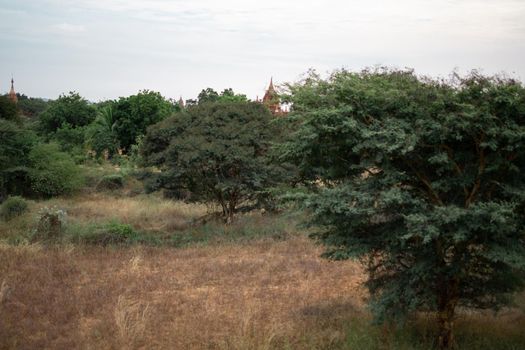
column 12, row 93
column 271, row 88
column 271, row 100
column 181, row 103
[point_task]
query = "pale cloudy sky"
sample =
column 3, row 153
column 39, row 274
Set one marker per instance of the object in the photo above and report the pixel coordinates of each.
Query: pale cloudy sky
column 110, row 48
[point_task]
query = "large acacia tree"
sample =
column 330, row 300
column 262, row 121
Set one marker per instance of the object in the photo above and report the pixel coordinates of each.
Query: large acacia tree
column 214, row 152
column 422, row 179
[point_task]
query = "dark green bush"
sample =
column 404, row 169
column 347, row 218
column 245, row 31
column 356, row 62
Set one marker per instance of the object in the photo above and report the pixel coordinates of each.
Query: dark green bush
column 111, row 182
column 53, row 172
column 13, row 207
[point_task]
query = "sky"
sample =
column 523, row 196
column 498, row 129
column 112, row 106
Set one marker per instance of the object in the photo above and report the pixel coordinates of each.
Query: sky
column 105, row 49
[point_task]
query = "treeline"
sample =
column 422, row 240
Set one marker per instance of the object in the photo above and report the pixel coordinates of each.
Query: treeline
column 421, row 178
column 43, row 142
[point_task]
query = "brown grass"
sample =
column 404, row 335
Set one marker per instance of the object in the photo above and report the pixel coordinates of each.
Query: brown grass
column 229, row 297
column 266, row 295
column 145, row 212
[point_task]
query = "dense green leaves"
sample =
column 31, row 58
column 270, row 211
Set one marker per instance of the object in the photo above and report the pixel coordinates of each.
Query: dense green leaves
column 8, row 109
column 132, row 115
column 214, row 152
column 53, row 172
column 15, row 145
column 70, row 109
column 421, row 178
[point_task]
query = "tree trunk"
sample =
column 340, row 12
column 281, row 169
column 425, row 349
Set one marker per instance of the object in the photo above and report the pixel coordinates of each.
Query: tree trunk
column 447, row 303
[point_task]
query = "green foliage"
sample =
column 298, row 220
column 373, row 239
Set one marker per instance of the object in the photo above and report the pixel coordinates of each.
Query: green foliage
column 13, row 207
column 15, row 144
column 70, row 109
column 31, row 107
column 112, row 233
column 65, row 121
column 8, row 109
column 422, row 179
column 53, row 172
column 70, row 139
column 131, row 116
column 227, row 95
column 214, row 152
column 111, row 182
column 101, row 136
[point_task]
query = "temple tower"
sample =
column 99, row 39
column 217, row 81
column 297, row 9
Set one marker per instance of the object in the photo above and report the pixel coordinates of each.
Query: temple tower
column 271, row 100
column 12, row 93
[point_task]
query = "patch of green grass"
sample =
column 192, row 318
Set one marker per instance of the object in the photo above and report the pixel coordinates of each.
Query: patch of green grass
column 108, row 233
column 245, row 228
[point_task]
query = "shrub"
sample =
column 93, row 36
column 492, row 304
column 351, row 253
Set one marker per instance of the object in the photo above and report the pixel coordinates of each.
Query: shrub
column 53, row 172
column 50, row 224
column 13, row 207
column 111, row 182
column 111, row 234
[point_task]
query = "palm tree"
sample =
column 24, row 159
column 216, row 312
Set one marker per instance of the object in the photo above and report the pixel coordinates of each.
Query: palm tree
column 101, row 136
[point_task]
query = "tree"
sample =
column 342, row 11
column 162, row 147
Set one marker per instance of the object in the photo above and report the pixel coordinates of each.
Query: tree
column 8, row 109
column 135, row 113
column 101, row 135
column 214, row 152
column 31, row 107
column 227, row 95
column 70, row 109
column 15, row 145
column 208, row 95
column 422, row 179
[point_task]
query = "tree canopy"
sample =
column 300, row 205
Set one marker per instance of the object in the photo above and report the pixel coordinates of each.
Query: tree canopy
column 227, row 95
column 133, row 114
column 421, row 179
column 214, row 152
column 71, row 109
column 8, row 109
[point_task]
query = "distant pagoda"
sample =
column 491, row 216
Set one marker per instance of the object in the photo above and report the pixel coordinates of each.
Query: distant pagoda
column 272, row 100
column 12, row 93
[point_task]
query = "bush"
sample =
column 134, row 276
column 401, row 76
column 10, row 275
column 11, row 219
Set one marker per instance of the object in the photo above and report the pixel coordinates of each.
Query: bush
column 53, row 172
column 50, row 224
column 13, row 207
column 111, row 234
column 111, row 182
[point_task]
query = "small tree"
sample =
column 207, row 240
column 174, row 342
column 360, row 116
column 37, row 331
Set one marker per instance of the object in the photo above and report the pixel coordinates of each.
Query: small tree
column 214, row 152
column 423, row 180
column 132, row 115
column 101, row 135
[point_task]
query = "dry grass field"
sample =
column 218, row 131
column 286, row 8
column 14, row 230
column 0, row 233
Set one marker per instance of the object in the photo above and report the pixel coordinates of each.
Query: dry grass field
column 257, row 291
column 264, row 295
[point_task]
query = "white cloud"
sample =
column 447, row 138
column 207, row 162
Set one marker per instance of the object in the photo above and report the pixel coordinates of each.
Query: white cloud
column 70, row 28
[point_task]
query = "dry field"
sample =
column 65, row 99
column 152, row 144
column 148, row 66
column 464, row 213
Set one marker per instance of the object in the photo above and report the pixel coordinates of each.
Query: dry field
column 265, row 291
column 265, row 295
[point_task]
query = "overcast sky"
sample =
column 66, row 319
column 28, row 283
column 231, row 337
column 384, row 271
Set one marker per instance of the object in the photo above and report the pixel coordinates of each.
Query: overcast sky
column 110, row 48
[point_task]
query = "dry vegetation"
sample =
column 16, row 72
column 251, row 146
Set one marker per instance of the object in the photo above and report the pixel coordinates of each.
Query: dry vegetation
column 260, row 296
column 235, row 296
column 268, row 292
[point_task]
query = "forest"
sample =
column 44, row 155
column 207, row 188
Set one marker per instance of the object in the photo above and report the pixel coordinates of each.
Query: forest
column 384, row 210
